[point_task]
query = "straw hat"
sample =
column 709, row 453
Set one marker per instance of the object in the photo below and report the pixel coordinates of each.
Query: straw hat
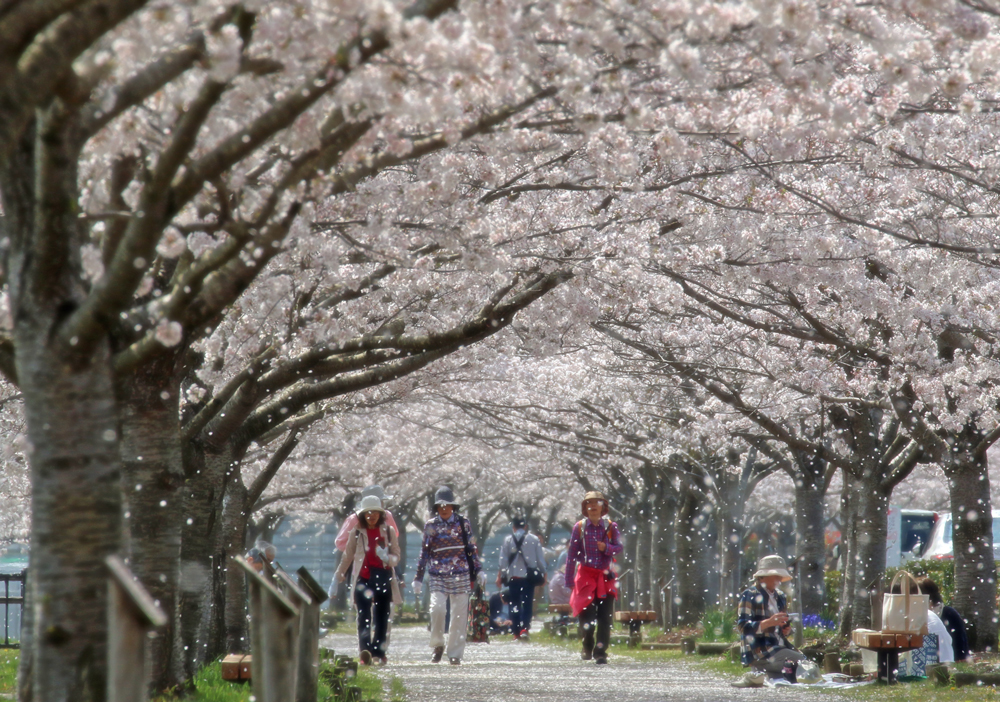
column 773, row 565
column 594, row 495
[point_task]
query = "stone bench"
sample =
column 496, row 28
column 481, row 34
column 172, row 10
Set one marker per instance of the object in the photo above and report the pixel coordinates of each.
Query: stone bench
column 635, row 620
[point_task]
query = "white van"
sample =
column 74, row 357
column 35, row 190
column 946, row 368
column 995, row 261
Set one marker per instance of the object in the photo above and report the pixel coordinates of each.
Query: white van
column 940, row 546
column 908, row 532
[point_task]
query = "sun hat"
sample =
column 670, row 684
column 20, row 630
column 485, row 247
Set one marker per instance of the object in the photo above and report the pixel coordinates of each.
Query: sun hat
column 773, row 565
column 444, row 496
column 369, row 503
column 378, row 492
column 594, row 495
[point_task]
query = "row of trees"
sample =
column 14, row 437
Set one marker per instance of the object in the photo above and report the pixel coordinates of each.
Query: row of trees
column 229, row 224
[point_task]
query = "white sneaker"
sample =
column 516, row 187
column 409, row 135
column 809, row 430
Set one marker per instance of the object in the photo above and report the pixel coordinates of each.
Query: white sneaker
column 750, row 680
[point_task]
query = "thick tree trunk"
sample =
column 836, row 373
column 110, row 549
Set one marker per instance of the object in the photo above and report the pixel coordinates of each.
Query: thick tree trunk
column 866, row 554
column 643, row 598
column 729, row 524
column 663, row 544
column 76, row 514
column 692, row 578
column 152, row 479
column 810, row 545
column 235, row 515
column 975, row 569
column 206, row 477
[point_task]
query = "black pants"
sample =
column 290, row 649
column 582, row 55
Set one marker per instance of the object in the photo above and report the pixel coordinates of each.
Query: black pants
column 599, row 613
column 373, row 597
column 522, row 602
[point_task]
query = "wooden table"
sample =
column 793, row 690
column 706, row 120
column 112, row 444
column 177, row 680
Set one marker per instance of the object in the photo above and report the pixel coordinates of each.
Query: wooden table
column 887, row 646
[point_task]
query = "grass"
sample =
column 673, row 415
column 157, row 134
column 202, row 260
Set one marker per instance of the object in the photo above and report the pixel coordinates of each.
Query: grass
column 210, row 687
column 9, row 659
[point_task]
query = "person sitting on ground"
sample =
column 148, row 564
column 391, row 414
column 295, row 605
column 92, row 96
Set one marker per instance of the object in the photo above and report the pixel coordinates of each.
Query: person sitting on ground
column 763, row 620
column 499, row 621
column 951, row 619
column 592, row 546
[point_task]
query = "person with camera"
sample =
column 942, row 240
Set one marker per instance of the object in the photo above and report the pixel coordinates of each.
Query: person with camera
column 763, row 623
column 522, row 569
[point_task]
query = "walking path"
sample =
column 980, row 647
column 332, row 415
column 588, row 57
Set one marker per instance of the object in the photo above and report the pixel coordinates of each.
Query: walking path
column 507, row 671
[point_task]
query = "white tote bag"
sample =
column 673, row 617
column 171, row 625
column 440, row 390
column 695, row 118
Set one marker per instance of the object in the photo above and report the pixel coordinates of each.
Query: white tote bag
column 904, row 613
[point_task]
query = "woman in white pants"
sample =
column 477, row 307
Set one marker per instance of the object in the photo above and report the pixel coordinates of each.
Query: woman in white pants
column 449, row 556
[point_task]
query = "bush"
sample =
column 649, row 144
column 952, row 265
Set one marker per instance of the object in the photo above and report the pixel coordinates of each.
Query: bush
column 941, row 572
column 719, row 625
column 832, row 582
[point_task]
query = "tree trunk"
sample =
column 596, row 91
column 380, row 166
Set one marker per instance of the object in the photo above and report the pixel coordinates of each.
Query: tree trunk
column 642, row 551
column 235, row 514
column 975, row 569
column 692, row 578
column 152, row 479
column 866, row 554
column 810, row 546
column 206, row 475
column 76, row 512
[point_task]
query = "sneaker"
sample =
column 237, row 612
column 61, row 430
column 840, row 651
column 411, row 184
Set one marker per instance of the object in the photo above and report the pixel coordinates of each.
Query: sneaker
column 438, row 652
column 601, row 661
column 750, row 680
column 524, row 638
column 366, row 658
column 586, row 655
column 455, row 661
column 381, row 660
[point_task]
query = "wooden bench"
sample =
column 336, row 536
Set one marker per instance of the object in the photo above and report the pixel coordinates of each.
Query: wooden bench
column 635, row 620
column 887, row 646
column 236, row 667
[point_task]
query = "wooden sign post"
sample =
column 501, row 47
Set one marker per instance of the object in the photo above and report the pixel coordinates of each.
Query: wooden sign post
column 132, row 614
column 273, row 639
column 308, row 679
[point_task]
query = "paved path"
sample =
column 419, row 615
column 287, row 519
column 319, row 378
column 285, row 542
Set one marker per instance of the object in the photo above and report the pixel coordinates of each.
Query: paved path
column 506, row 671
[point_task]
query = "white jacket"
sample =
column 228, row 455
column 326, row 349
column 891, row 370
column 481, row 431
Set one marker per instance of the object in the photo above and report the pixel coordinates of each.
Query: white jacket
column 357, row 547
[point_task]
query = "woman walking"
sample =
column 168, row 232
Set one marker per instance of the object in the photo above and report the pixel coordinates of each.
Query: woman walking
column 592, row 547
column 449, row 554
column 373, row 549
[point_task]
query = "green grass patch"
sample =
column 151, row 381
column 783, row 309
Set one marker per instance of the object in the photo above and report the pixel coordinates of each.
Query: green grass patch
column 9, row 659
column 210, row 687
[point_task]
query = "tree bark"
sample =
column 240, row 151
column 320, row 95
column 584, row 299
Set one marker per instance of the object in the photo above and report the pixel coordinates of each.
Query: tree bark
column 152, row 480
column 235, row 515
column 76, row 515
column 206, row 471
column 643, row 596
column 975, row 569
column 810, row 490
column 692, row 578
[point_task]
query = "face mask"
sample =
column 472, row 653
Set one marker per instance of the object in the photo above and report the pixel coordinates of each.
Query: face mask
column 518, row 533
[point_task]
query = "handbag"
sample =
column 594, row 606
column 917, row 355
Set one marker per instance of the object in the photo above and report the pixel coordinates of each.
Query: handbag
column 904, row 613
column 468, row 556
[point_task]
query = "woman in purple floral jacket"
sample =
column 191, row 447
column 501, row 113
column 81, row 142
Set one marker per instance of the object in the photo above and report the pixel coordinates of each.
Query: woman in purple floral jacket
column 449, row 555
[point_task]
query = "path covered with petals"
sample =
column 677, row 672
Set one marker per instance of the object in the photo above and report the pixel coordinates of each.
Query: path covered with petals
column 507, row 671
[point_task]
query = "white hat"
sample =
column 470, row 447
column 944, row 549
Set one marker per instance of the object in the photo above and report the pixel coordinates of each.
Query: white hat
column 369, row 503
column 773, row 565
